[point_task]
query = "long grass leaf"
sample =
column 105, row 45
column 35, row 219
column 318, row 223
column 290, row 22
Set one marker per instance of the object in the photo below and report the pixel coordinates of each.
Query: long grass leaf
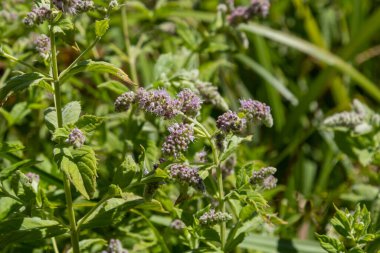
column 316, row 52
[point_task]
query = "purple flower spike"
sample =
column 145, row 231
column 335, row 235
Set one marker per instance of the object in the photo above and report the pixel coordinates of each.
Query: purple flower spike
column 190, row 102
column 230, row 122
column 42, row 44
column 256, row 111
column 124, row 101
column 185, row 174
column 178, row 140
column 158, row 102
column 76, row 138
column 37, row 16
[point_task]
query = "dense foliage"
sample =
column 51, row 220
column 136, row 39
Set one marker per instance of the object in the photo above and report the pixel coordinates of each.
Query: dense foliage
column 189, row 126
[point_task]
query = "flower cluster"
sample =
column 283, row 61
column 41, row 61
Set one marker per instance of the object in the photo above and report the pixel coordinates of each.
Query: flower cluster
column 114, row 246
column 231, row 122
column 200, row 157
column 212, row 217
column 158, row 102
column 178, row 140
column 245, row 13
column 113, row 4
column 185, row 174
column 211, row 95
column 37, row 16
column 256, row 111
column 344, row 119
column 190, row 102
column 42, row 44
column 73, row 6
column 264, row 177
column 177, row 224
column 76, row 138
column 124, row 101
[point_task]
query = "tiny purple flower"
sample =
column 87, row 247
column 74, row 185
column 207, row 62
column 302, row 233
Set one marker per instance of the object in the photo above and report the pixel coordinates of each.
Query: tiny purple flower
column 124, row 101
column 264, row 177
column 178, row 140
column 177, row 224
column 230, row 122
column 42, row 44
column 37, row 16
column 190, row 102
column 212, row 217
column 158, row 102
column 256, row 111
column 76, row 138
column 185, row 174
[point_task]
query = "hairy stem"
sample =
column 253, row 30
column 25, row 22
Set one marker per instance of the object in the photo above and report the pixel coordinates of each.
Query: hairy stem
column 222, row 206
column 58, row 108
column 128, row 48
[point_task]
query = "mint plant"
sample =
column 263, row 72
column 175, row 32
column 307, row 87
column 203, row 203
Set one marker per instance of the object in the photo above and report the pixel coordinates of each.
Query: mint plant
column 133, row 189
column 353, row 232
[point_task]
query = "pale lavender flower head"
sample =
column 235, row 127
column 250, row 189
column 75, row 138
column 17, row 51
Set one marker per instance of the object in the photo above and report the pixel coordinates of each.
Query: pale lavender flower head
column 256, row 111
column 201, row 156
column 245, row 13
column 73, row 6
column 190, row 102
column 37, row 16
column 124, row 101
column 185, row 174
column 230, row 122
column 212, row 217
column 76, row 138
column 264, row 177
column 42, row 44
column 178, row 140
column 260, row 7
column 158, row 102
column 115, row 246
column 177, row 224
column 344, row 119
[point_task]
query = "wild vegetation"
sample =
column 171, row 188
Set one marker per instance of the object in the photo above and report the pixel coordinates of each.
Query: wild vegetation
column 189, row 126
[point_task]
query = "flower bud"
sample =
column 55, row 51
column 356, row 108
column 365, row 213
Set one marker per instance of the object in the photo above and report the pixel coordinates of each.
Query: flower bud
column 124, row 101
column 42, row 44
column 187, row 175
column 178, row 140
column 212, row 217
column 76, row 138
column 230, row 122
column 256, row 111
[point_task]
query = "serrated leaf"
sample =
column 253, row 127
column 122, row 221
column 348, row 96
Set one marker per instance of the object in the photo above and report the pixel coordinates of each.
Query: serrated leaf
column 19, row 83
column 331, row 245
column 28, row 229
column 89, row 123
column 111, row 211
column 125, row 173
column 63, row 26
column 51, row 120
column 23, row 188
column 71, row 113
column 8, row 147
column 97, row 67
column 101, row 27
column 79, row 165
column 61, row 133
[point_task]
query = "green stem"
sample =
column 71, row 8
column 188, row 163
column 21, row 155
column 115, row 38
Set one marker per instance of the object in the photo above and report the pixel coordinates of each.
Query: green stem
column 128, row 48
column 80, row 56
column 55, row 247
column 58, row 108
column 219, row 176
column 80, row 222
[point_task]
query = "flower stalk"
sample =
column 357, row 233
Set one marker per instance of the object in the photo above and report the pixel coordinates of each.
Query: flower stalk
column 58, row 108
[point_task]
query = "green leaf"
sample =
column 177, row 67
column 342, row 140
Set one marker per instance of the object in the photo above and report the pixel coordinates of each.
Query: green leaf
column 97, row 67
column 19, row 83
column 126, row 172
column 269, row 244
column 101, row 27
column 232, row 144
column 114, row 86
column 111, row 211
column 211, row 235
column 87, row 243
column 341, row 223
column 79, row 165
column 9, row 147
column 316, row 52
column 28, row 229
column 267, row 76
column 5, row 173
column 51, row 120
column 63, row 26
column 89, row 123
column 71, row 113
column 331, row 245
column 23, row 188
